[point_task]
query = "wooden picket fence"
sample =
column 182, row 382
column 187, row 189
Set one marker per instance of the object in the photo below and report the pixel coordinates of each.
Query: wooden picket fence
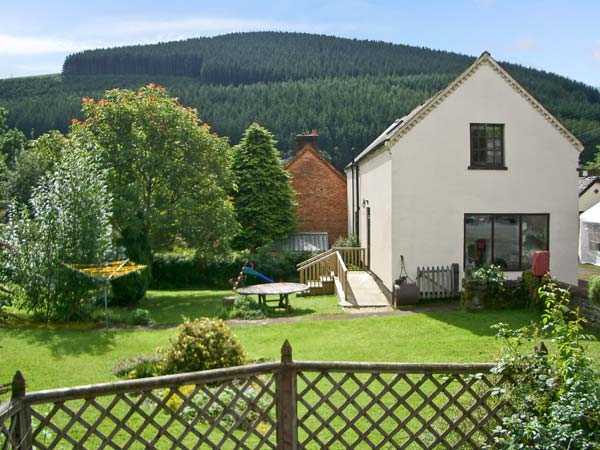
column 438, row 282
column 280, row 405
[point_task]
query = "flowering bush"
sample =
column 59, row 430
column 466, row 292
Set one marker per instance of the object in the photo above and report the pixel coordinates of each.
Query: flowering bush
column 202, row 344
column 487, row 287
column 137, row 367
column 492, row 276
column 555, row 396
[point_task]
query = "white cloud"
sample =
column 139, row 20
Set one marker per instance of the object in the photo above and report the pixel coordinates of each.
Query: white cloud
column 33, row 45
column 130, row 31
column 526, row 43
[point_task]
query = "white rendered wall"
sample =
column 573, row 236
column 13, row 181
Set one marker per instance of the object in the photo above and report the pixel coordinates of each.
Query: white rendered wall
column 433, row 188
column 376, row 188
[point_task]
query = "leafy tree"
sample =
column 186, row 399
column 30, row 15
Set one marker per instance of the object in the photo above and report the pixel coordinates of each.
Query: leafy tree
column 594, row 165
column 264, row 198
column 33, row 163
column 68, row 223
column 169, row 175
column 12, row 141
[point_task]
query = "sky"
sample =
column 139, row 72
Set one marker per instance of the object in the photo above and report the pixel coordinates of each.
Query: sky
column 557, row 36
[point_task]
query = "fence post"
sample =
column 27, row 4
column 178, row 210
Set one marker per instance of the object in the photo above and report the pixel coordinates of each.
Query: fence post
column 455, row 281
column 287, row 419
column 22, row 420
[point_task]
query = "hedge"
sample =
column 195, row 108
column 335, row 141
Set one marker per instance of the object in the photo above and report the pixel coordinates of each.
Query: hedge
column 173, row 271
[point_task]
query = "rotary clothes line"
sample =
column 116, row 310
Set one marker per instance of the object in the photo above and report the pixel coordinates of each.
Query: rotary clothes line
column 105, row 273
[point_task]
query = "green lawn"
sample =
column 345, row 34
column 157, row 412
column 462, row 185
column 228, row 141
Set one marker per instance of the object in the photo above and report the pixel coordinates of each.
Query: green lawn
column 56, row 356
column 586, row 271
column 59, row 356
column 168, row 307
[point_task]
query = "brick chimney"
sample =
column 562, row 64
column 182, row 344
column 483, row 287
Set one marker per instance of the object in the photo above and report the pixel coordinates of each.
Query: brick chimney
column 311, row 138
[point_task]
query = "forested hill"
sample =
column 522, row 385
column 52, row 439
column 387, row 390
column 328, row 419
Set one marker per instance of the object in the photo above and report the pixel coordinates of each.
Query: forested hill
column 242, row 58
column 349, row 90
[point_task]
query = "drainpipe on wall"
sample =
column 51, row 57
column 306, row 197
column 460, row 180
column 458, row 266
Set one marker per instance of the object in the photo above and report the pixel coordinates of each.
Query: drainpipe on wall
column 355, row 195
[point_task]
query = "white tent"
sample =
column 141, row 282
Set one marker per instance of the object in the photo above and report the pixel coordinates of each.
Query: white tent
column 589, row 236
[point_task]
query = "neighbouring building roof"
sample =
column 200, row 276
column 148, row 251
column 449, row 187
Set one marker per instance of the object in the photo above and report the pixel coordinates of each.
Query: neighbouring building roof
column 401, row 126
column 309, row 148
column 587, row 182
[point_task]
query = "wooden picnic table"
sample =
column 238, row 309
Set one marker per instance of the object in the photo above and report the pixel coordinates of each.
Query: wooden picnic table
column 281, row 289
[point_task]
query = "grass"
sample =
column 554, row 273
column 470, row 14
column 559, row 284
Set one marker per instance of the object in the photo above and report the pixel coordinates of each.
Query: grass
column 169, row 307
column 57, row 356
column 51, row 357
column 587, row 271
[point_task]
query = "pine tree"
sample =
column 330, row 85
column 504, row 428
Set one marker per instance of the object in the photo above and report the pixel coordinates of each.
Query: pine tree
column 264, row 199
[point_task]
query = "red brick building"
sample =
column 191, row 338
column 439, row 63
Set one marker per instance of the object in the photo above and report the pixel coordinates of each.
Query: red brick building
column 322, row 203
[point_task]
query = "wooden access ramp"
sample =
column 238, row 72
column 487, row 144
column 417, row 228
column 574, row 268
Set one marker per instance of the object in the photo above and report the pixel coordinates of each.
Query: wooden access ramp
column 344, row 268
column 364, row 292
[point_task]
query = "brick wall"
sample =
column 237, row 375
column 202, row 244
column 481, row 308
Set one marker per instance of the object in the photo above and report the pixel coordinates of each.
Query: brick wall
column 321, row 198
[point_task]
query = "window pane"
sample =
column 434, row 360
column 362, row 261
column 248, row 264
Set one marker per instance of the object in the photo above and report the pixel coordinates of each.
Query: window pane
column 506, row 242
column 487, row 144
column 478, row 241
column 535, row 238
column 593, row 230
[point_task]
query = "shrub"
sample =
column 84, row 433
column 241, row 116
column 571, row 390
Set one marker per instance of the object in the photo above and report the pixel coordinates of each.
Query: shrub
column 138, row 367
column 350, row 241
column 246, row 308
column 141, row 317
column 202, row 344
column 491, row 276
column 131, row 288
column 176, row 270
column 555, row 395
column 594, row 289
column 484, row 287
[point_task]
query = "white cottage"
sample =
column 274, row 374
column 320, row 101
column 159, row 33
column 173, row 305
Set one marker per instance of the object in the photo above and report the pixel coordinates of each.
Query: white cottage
column 479, row 173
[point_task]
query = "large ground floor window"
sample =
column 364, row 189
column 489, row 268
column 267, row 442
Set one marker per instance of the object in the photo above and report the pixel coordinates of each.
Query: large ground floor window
column 506, row 240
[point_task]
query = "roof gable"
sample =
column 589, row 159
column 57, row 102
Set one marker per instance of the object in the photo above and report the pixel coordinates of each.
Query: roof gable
column 585, row 183
column 403, row 125
column 309, row 149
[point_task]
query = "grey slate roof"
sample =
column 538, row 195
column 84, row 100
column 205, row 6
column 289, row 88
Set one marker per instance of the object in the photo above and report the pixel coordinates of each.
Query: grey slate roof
column 586, row 182
column 391, row 130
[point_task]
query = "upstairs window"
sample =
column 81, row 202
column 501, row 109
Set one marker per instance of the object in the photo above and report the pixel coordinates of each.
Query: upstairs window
column 487, row 146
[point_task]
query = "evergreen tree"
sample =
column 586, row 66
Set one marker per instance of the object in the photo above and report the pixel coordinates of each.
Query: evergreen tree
column 264, row 199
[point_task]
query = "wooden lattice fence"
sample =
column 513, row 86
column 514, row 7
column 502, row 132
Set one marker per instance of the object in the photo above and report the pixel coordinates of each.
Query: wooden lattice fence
column 282, row 405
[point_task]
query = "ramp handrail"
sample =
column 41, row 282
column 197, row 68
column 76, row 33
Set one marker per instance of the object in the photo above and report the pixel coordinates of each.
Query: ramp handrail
column 351, row 255
column 327, row 266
